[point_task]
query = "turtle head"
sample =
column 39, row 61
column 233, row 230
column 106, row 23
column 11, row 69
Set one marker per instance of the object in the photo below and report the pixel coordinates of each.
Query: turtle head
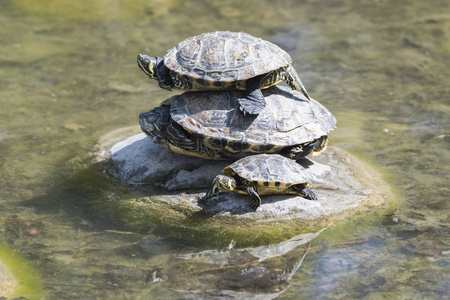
column 220, row 183
column 224, row 183
column 149, row 65
column 319, row 146
column 154, row 122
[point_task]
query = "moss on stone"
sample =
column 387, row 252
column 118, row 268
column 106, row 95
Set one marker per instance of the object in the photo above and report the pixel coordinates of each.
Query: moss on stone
column 26, row 281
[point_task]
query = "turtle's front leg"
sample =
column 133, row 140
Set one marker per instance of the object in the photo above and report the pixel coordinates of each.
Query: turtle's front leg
column 177, row 137
column 163, row 74
column 292, row 79
column 213, row 191
column 256, row 199
column 254, row 100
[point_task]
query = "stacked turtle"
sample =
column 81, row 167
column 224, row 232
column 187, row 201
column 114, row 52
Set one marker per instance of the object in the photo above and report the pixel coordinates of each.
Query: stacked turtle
column 232, row 110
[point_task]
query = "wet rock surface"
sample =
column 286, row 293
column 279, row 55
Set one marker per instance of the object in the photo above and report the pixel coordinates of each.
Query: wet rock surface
column 341, row 181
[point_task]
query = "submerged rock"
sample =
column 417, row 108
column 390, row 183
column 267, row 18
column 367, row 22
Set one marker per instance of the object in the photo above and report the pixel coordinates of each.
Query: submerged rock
column 342, row 182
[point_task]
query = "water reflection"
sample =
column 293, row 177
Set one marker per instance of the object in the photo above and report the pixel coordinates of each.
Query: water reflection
column 269, row 267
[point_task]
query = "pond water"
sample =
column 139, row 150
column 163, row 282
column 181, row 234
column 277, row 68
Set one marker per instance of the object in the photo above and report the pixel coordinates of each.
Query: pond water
column 68, row 75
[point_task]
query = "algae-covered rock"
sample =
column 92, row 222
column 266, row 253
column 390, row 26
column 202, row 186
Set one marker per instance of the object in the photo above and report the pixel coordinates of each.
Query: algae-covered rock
column 7, row 283
column 18, row 279
column 343, row 184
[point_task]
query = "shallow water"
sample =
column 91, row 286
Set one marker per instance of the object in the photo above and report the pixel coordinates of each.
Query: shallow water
column 68, row 75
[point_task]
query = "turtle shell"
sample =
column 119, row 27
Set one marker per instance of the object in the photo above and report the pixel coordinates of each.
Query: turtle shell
column 288, row 119
column 225, row 56
column 269, row 168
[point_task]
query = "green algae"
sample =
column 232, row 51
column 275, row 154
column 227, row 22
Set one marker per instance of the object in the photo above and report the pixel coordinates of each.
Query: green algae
column 205, row 229
column 155, row 214
column 27, row 279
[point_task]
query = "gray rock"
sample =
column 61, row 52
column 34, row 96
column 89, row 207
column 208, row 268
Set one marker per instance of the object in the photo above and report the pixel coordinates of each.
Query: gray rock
column 137, row 160
column 341, row 182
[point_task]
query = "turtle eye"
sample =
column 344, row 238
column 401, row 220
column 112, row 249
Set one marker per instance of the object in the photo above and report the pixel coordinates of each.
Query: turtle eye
column 232, row 184
column 148, row 123
column 148, row 117
column 151, row 118
column 146, row 126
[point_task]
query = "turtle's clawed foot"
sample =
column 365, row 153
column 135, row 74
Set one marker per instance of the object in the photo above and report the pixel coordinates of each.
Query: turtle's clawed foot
column 251, row 106
column 203, row 201
column 254, row 100
column 164, row 85
column 308, row 194
column 255, row 204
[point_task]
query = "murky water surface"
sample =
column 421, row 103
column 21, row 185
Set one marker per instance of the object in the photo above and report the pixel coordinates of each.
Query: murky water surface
column 68, row 75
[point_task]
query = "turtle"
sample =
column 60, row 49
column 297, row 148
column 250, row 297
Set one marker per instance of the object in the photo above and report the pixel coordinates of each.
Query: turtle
column 262, row 174
column 210, row 125
column 224, row 60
